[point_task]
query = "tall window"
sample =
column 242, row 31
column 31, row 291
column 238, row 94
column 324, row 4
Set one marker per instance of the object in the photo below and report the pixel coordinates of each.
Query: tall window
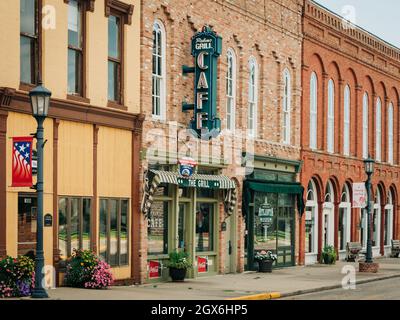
column 114, row 59
column 73, row 225
column 286, row 106
column 378, row 130
column 313, row 110
column 252, row 98
column 331, row 117
column 390, row 133
column 29, row 41
column 365, row 125
column 113, row 231
column 346, row 121
column 230, row 90
column 158, row 74
column 75, row 47
column 204, row 227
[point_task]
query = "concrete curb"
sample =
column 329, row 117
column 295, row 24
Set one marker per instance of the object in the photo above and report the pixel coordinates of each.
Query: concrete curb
column 277, row 295
column 336, row 286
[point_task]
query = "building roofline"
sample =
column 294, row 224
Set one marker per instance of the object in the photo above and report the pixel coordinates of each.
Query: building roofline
column 355, row 25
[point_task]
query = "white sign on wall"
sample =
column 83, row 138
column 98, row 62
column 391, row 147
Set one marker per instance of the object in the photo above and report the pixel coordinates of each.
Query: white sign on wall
column 359, row 195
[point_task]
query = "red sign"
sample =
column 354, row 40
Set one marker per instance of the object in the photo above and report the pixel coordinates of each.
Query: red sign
column 154, row 269
column 22, row 162
column 202, row 264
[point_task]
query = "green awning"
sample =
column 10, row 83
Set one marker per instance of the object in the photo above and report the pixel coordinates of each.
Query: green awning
column 273, row 187
column 288, row 188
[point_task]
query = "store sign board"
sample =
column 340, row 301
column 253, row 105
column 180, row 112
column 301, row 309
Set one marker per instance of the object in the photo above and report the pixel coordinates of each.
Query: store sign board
column 154, row 269
column 202, row 264
column 187, row 166
column 359, row 195
column 206, row 49
column 198, row 183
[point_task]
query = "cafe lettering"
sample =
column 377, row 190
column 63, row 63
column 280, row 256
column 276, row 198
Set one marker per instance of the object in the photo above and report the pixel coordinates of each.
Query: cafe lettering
column 206, row 49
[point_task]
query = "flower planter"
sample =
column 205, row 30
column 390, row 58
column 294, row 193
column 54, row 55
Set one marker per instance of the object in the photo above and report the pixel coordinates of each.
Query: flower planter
column 177, row 274
column 265, row 265
column 328, row 259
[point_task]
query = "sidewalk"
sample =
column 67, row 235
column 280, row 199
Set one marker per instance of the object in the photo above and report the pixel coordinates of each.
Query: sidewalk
column 283, row 282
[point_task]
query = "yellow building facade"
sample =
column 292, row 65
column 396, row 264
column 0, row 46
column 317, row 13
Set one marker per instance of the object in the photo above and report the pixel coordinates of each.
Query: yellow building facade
column 88, row 54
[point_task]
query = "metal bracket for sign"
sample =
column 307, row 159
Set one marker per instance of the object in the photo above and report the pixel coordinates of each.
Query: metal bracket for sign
column 187, row 106
column 34, row 187
column 187, row 69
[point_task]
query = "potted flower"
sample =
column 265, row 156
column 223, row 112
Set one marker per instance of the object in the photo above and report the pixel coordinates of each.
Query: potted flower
column 265, row 260
column 178, row 263
column 328, row 255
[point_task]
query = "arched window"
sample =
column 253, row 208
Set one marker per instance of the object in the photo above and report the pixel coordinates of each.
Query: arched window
column 390, row 133
column 378, row 130
column 365, row 126
column 287, row 97
column 313, row 110
column 346, row 122
column 230, row 90
column 252, row 97
column 331, row 117
column 158, row 73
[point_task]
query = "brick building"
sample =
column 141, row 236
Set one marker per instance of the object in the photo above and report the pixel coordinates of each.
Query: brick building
column 258, row 102
column 351, row 82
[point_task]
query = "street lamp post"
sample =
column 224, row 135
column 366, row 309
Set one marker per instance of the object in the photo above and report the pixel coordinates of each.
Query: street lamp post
column 369, row 170
column 40, row 100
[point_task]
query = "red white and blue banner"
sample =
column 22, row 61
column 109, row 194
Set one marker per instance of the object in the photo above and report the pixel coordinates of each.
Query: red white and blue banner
column 22, row 161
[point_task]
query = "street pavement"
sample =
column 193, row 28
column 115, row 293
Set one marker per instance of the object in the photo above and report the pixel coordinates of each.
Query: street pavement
column 285, row 282
column 380, row 290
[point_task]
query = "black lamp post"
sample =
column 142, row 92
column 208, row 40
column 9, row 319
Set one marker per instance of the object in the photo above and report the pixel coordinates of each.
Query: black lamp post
column 40, row 100
column 369, row 170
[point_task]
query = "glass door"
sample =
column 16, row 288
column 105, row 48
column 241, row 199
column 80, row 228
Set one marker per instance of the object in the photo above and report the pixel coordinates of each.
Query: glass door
column 27, row 218
column 285, row 230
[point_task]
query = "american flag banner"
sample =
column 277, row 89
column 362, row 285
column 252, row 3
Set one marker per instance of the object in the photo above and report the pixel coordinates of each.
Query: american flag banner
column 22, row 162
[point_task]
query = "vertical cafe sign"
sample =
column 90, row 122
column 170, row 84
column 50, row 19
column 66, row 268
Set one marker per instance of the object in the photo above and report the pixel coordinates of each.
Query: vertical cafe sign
column 206, row 49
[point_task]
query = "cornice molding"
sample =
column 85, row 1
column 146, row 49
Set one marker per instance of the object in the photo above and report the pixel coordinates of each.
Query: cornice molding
column 121, row 8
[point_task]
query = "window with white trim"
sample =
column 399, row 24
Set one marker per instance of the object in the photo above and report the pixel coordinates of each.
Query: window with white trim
column 346, row 121
column 378, row 130
column 252, row 98
column 390, row 133
column 286, row 106
column 365, row 126
column 331, row 117
column 230, row 90
column 313, row 110
column 158, row 73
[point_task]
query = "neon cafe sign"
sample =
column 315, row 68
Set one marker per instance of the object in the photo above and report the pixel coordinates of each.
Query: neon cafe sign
column 206, row 49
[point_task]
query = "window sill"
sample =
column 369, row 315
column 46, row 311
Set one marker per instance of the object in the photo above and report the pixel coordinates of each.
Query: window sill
column 26, row 86
column 116, row 105
column 205, row 253
column 78, row 98
column 157, row 256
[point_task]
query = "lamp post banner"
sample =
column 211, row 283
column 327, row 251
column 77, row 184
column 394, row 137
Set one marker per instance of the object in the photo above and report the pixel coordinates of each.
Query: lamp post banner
column 22, row 161
column 359, row 195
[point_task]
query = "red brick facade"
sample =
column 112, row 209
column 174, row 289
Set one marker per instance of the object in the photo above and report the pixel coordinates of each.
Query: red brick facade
column 270, row 32
column 367, row 64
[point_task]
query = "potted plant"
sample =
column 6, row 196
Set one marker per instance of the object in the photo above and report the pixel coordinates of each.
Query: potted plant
column 179, row 262
column 265, row 260
column 328, row 255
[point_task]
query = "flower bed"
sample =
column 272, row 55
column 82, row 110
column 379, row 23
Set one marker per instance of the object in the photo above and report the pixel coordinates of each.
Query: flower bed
column 17, row 277
column 86, row 270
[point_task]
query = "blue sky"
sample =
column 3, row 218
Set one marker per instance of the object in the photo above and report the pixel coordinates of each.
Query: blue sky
column 380, row 17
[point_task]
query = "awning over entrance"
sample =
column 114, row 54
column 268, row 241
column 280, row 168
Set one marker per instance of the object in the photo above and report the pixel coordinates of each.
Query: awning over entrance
column 272, row 187
column 195, row 181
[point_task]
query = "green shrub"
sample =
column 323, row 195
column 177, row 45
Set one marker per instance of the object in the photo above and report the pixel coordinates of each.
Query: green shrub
column 179, row 260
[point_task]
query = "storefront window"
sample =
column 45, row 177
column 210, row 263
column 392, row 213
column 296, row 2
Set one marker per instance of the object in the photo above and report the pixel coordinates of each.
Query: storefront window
column 310, row 229
column 181, row 226
column 73, row 225
column 113, row 226
column 342, row 228
column 157, row 230
column 204, row 227
column 265, row 224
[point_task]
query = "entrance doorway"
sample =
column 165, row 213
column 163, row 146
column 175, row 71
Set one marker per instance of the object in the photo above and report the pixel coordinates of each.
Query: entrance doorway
column 273, row 220
column 230, row 245
column 27, row 219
